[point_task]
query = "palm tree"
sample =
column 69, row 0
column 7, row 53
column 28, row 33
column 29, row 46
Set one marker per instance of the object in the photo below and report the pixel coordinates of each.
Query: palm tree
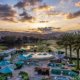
column 77, row 78
column 70, row 42
column 63, row 41
column 67, row 40
column 77, row 47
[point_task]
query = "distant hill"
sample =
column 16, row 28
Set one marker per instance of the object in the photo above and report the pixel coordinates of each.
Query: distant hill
column 31, row 34
column 50, row 35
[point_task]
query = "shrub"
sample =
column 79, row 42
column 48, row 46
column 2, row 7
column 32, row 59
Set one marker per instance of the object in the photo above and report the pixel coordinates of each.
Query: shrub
column 24, row 75
column 2, row 77
column 19, row 66
column 77, row 78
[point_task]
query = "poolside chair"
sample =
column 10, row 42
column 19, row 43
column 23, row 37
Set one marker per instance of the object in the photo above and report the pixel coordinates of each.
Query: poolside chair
column 56, row 71
column 51, row 64
column 72, row 74
column 54, row 65
column 58, row 65
column 65, row 72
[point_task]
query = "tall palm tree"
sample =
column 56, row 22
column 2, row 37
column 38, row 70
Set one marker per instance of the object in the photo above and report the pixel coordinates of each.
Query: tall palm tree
column 63, row 41
column 67, row 40
column 70, row 42
column 77, row 47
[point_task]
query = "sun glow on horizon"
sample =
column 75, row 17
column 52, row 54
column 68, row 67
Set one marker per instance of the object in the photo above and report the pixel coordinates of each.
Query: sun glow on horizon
column 61, row 15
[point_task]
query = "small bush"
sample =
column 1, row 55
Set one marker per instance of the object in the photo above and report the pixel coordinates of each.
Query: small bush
column 77, row 78
column 19, row 66
column 24, row 75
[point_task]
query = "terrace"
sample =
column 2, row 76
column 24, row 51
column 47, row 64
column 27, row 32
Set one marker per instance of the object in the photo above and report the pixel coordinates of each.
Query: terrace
column 38, row 66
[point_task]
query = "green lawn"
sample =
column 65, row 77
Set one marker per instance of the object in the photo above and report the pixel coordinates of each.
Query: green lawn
column 3, row 47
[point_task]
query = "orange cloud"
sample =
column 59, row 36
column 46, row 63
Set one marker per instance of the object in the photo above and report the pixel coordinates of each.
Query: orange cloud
column 72, row 15
column 71, row 27
column 44, row 8
column 25, row 3
column 77, row 4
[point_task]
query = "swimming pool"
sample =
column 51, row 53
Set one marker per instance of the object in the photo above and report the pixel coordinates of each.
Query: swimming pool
column 39, row 55
column 60, row 78
column 42, row 56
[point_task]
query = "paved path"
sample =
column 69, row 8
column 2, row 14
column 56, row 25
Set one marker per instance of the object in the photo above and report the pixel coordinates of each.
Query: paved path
column 29, row 70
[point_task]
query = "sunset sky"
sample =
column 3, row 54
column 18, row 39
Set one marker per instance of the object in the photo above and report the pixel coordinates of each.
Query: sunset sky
column 21, row 15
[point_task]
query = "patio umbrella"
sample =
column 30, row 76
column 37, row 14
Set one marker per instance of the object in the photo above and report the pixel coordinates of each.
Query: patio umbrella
column 29, row 56
column 6, row 70
column 22, row 57
column 4, row 63
column 20, row 62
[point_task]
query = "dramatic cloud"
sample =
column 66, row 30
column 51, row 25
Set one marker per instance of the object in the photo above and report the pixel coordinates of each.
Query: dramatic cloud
column 53, row 13
column 32, row 2
column 10, row 20
column 25, row 3
column 77, row 4
column 7, row 12
column 44, row 7
column 63, row 1
column 48, row 29
column 72, row 15
column 25, row 16
column 27, row 7
column 34, row 10
column 39, row 14
column 21, row 4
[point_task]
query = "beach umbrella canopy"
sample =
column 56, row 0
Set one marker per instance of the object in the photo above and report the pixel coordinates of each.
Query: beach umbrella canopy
column 29, row 56
column 22, row 57
column 20, row 62
column 6, row 70
column 4, row 63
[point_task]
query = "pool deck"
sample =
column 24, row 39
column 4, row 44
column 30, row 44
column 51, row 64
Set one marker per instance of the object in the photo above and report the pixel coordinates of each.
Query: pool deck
column 29, row 70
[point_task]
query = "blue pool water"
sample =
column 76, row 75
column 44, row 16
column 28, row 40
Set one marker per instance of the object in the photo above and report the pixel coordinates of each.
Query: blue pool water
column 60, row 78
